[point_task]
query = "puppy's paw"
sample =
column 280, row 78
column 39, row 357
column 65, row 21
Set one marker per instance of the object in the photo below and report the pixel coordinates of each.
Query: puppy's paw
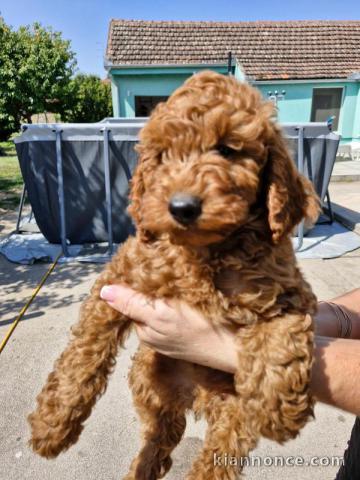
column 50, row 439
column 149, row 469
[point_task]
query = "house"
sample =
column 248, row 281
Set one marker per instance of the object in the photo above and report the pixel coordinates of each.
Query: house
column 310, row 68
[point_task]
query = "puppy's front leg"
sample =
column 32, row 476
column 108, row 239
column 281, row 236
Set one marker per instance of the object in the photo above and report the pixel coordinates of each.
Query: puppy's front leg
column 275, row 362
column 161, row 400
column 79, row 377
column 231, row 435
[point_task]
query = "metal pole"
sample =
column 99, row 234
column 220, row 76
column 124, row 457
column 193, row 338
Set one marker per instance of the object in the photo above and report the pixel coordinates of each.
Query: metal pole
column 301, row 170
column 330, row 210
column 61, row 197
column 21, row 206
column 108, row 189
column 229, row 68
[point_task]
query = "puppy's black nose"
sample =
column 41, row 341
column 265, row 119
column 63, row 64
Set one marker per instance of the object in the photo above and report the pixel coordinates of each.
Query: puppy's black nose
column 185, row 208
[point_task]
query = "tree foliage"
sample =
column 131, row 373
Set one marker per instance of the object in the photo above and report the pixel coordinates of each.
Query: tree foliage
column 88, row 100
column 36, row 66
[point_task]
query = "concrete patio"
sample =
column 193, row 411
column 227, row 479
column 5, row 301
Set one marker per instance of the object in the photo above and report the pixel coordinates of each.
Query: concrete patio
column 110, row 439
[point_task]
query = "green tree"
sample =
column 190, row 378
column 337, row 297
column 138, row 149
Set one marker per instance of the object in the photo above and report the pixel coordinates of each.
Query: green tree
column 88, row 100
column 36, row 66
column 8, row 122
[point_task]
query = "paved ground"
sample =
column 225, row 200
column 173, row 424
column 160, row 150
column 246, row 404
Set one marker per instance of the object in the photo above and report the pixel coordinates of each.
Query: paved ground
column 346, row 171
column 345, row 200
column 111, row 437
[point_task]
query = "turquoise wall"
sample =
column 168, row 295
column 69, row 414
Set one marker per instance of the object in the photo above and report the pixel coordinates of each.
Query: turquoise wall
column 295, row 107
column 356, row 130
column 129, row 86
column 152, row 81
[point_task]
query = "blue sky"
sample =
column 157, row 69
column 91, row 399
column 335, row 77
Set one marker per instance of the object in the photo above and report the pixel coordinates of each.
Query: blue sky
column 85, row 22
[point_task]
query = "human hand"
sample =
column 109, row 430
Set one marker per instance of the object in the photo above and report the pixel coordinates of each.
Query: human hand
column 175, row 329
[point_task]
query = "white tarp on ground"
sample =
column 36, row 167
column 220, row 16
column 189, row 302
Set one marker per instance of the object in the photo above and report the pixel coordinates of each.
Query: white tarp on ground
column 324, row 241
column 30, row 248
column 328, row 241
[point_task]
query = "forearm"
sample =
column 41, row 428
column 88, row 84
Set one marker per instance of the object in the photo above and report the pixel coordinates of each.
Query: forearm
column 336, row 373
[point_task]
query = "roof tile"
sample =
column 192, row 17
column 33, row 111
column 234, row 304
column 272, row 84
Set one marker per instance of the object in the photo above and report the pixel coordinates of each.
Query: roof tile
column 266, row 50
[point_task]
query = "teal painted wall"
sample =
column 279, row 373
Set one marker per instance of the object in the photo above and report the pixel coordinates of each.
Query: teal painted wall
column 356, row 130
column 131, row 82
column 295, row 107
column 129, row 86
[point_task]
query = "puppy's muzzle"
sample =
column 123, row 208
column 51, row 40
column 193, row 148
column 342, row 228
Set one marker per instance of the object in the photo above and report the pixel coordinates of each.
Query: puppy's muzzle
column 184, row 208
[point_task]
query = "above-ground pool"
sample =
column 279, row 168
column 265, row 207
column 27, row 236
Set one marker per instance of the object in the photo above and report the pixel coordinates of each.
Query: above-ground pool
column 77, row 175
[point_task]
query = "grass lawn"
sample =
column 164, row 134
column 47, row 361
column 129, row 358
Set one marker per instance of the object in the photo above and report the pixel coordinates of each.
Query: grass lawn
column 10, row 177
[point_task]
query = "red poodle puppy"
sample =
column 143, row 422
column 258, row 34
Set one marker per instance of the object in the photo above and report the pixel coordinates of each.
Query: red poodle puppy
column 215, row 198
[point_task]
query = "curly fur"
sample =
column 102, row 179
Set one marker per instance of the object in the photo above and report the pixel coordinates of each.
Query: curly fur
column 235, row 264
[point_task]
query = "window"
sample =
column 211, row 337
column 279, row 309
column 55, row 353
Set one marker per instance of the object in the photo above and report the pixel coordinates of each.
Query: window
column 145, row 104
column 326, row 102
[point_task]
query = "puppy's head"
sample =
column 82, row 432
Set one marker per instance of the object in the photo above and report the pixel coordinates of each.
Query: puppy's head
column 209, row 155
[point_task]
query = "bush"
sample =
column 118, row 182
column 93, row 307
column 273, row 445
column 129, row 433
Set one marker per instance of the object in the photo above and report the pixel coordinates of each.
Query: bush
column 88, row 100
column 8, row 126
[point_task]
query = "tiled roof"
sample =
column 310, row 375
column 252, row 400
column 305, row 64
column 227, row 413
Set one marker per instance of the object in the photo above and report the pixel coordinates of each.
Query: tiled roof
column 266, row 50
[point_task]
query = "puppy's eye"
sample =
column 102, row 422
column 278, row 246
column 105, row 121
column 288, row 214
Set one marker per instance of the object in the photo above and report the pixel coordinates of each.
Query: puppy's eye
column 225, row 151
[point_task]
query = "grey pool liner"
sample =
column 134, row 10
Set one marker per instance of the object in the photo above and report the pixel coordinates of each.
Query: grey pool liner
column 77, row 175
column 77, row 179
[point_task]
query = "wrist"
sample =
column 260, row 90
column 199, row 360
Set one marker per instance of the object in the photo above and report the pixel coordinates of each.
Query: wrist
column 228, row 355
column 335, row 373
column 335, row 320
column 219, row 352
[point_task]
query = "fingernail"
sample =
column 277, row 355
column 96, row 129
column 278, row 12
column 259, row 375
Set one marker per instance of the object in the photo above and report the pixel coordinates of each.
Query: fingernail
column 108, row 293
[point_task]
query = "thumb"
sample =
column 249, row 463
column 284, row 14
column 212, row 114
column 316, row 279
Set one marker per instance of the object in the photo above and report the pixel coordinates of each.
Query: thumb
column 127, row 301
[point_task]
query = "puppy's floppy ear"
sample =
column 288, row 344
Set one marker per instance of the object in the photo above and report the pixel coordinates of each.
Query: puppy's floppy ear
column 137, row 191
column 290, row 196
column 150, row 144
